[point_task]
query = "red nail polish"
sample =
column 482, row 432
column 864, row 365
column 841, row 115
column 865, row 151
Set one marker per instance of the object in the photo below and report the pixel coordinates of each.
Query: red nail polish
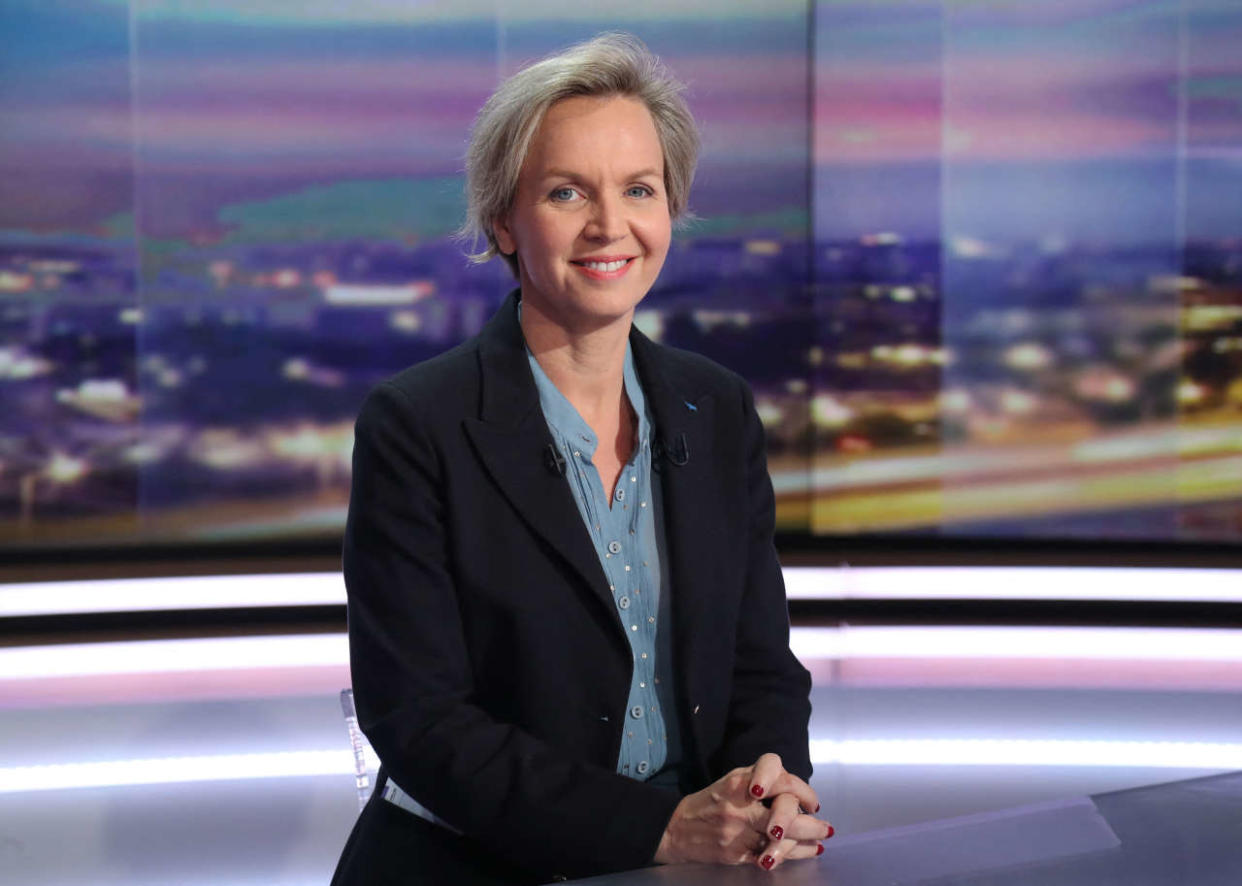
column 831, row 831
column 819, row 850
column 767, row 862
column 817, row 807
column 777, row 832
column 756, row 790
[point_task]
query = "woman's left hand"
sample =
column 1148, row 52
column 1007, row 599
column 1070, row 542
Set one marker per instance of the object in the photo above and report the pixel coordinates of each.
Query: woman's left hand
column 791, row 832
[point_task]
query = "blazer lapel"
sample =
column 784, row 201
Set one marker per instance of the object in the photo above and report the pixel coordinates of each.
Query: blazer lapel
column 684, row 420
column 511, row 438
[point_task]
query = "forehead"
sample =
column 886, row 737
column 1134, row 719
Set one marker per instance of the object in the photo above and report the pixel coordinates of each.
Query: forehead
column 595, row 132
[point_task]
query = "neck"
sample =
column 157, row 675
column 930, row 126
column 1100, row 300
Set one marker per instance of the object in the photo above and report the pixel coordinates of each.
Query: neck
column 587, row 367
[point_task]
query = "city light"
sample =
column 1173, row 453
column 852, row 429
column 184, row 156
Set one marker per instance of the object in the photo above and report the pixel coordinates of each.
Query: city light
column 405, row 321
column 1018, row 402
column 227, row 450
column 314, row 444
column 13, row 281
column 829, row 412
column 17, row 365
column 65, row 469
column 1189, row 393
column 1104, row 383
column 763, row 247
column 376, row 295
column 1029, row 356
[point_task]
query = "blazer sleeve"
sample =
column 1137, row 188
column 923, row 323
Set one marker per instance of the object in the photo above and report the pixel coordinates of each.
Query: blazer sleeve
column 769, row 708
column 515, row 795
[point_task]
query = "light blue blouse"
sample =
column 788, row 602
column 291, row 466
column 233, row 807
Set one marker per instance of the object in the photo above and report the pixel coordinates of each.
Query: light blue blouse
column 628, row 538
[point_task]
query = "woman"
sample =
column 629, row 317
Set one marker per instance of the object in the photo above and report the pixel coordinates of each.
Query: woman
column 569, row 637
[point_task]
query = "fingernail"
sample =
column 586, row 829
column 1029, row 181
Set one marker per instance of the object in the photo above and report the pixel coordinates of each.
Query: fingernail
column 817, row 807
column 767, row 862
column 777, row 832
column 831, row 831
column 756, row 790
column 819, row 850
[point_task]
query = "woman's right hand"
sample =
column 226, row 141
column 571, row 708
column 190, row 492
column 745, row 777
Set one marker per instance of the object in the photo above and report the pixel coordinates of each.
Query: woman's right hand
column 725, row 823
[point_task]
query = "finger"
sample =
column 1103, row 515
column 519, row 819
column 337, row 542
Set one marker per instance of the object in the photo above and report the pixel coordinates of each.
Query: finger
column 745, row 848
column 767, row 770
column 808, row 827
column 744, row 857
column 787, row 850
column 788, row 783
column 781, row 817
column 804, row 849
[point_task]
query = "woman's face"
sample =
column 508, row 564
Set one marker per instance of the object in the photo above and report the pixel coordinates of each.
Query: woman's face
column 590, row 222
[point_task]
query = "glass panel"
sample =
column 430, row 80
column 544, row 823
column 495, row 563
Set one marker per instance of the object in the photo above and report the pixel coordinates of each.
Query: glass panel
column 69, row 441
column 1059, row 248
column 1209, row 391
column 298, row 182
column 877, row 225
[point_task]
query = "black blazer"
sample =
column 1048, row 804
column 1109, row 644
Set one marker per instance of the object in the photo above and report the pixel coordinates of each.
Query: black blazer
column 490, row 667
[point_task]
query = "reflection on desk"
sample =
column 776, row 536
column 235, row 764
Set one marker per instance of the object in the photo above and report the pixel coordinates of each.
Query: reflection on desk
column 1185, row 833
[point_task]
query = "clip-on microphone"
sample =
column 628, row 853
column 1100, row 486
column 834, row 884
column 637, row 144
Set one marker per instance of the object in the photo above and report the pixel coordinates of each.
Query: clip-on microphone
column 554, row 461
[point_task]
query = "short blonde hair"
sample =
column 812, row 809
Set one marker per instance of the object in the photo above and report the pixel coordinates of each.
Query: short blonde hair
column 610, row 64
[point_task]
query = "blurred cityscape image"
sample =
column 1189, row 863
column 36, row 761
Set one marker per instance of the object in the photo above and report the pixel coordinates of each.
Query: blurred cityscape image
column 1008, row 304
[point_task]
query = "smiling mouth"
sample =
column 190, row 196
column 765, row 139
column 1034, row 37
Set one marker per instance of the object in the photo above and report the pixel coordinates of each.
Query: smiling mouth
column 603, row 267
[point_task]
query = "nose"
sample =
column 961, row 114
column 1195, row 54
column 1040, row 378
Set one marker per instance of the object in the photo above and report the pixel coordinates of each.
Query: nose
column 607, row 223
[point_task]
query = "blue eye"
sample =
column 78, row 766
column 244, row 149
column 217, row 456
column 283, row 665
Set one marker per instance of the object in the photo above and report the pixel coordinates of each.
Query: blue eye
column 640, row 191
column 563, row 195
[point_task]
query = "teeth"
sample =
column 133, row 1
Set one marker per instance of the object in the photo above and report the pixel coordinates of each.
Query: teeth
column 605, row 265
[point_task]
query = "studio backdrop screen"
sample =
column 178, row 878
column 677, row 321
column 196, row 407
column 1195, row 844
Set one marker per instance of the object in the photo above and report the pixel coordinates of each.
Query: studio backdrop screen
column 980, row 262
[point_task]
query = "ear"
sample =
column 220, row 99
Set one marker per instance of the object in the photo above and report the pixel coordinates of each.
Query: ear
column 504, row 236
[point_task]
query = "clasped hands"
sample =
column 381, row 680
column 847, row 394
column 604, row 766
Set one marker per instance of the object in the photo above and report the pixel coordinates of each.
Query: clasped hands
column 726, row 822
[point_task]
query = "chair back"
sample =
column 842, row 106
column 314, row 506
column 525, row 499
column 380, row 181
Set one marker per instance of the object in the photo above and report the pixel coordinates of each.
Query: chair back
column 365, row 762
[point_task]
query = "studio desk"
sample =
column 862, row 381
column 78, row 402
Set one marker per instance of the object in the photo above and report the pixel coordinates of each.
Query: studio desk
column 1185, row 833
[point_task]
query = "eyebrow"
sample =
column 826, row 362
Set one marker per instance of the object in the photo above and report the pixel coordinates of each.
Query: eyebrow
column 565, row 173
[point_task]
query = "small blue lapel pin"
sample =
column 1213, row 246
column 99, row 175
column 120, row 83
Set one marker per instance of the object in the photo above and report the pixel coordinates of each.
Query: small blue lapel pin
column 690, row 406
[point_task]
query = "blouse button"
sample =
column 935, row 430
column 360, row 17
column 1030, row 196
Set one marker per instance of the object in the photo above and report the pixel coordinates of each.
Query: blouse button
column 642, row 767
column 620, row 495
column 614, row 547
column 637, row 712
column 624, row 602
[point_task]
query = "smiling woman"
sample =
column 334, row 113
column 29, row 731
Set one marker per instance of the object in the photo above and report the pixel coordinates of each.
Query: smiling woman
column 569, row 639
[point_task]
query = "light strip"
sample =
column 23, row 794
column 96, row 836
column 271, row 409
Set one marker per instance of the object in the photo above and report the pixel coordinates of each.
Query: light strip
column 165, row 656
column 163, row 594
column 1023, row 753
column 801, row 583
column 963, row 643
column 202, row 655
column 170, row 770
column 860, row 752
column 1013, row 583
